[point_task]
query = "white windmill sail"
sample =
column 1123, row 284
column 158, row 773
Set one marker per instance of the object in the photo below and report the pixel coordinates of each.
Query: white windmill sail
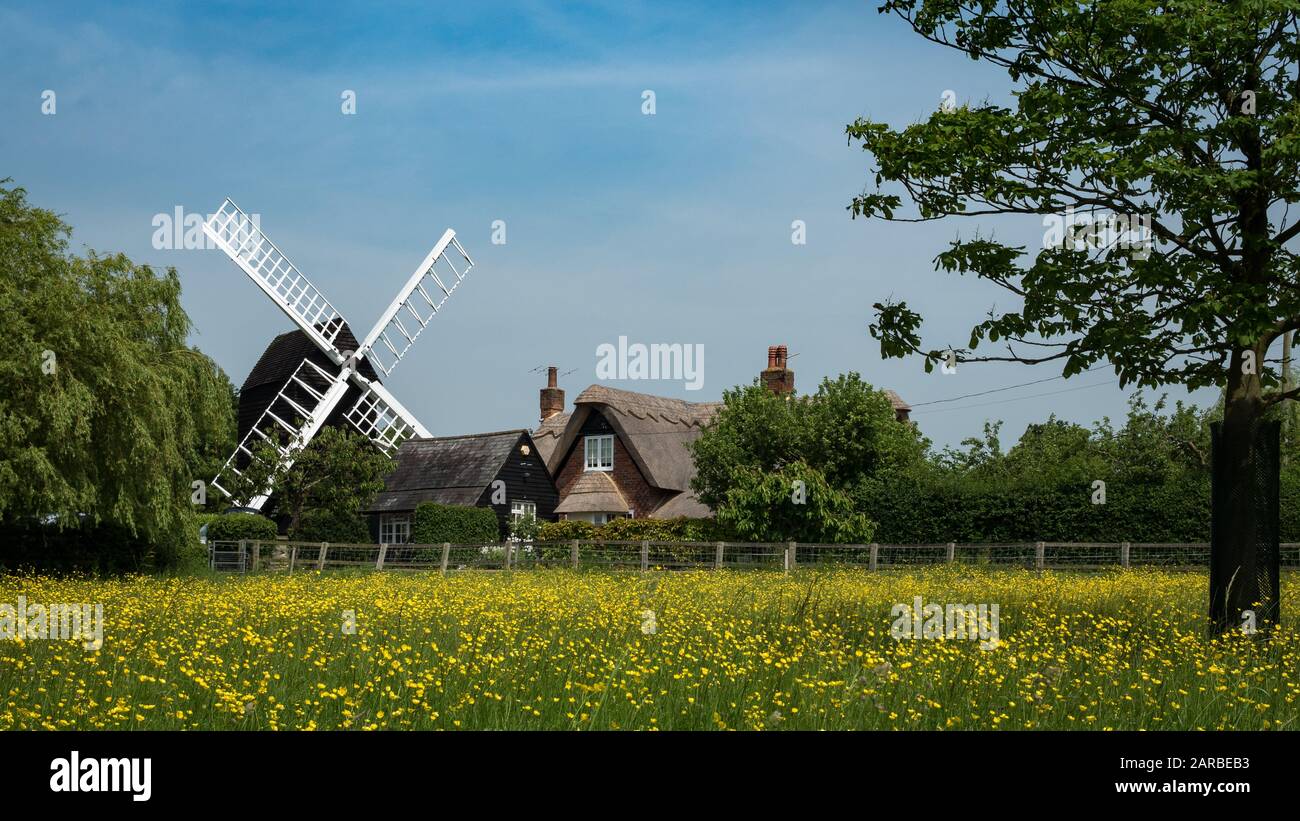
column 443, row 268
column 234, row 232
column 294, row 416
column 311, row 394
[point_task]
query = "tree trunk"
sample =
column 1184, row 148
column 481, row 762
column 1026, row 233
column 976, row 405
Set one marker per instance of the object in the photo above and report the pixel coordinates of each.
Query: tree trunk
column 1244, row 520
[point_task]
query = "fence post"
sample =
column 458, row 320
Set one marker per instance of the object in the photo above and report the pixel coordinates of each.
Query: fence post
column 952, row 552
column 320, row 560
column 1040, row 555
column 717, row 558
column 379, row 562
column 293, row 557
column 446, row 552
column 1124, row 553
column 789, row 556
column 505, row 557
column 574, row 550
column 257, row 549
column 875, row 554
column 645, row 556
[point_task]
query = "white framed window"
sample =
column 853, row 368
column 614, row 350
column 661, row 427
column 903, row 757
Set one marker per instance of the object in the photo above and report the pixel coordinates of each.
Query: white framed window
column 599, row 452
column 395, row 528
column 520, row 510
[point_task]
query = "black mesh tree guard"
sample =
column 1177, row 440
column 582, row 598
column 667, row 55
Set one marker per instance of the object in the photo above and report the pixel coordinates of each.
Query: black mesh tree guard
column 1244, row 526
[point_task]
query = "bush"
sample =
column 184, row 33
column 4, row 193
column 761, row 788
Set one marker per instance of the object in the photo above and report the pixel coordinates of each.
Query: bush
column 565, row 530
column 202, row 519
column 680, row 529
column 234, row 527
column 102, row 548
column 434, row 524
column 330, row 526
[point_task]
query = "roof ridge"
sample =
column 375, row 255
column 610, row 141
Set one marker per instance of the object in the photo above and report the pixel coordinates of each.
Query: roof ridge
column 599, row 388
column 469, row 435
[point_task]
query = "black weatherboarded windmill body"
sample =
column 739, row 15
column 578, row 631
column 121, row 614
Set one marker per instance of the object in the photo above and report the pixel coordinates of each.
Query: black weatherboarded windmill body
column 336, row 377
column 279, row 361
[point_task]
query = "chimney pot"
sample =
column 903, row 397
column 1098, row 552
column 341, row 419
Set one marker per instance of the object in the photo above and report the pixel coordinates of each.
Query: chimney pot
column 551, row 397
column 777, row 377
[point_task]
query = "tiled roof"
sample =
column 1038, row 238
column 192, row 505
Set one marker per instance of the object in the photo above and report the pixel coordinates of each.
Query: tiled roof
column 445, row 469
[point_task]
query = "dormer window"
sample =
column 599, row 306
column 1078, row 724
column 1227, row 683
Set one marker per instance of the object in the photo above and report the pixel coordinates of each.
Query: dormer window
column 599, row 452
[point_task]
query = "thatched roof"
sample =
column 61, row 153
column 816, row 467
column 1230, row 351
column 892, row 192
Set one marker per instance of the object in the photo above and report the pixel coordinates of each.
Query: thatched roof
column 654, row 429
column 683, row 504
column 897, row 401
column 594, row 492
column 449, row 470
column 548, row 434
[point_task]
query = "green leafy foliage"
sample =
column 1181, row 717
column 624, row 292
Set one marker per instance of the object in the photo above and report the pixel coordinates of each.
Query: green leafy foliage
column 234, row 527
column 1155, row 469
column 107, row 415
column 1181, row 114
column 524, row 528
column 331, row 526
column 434, row 523
column 565, row 530
column 762, row 507
column 750, row 457
column 336, row 475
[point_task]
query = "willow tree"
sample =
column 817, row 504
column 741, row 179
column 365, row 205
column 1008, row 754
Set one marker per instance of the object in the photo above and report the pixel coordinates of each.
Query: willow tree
column 107, row 415
column 1173, row 126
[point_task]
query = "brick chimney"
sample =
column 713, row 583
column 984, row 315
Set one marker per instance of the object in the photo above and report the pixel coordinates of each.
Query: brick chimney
column 552, row 397
column 777, row 376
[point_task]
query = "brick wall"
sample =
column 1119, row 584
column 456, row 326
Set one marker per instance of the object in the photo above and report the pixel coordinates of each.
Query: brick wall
column 641, row 496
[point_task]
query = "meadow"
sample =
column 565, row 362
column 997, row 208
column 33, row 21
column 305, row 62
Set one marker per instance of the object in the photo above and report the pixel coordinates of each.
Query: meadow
column 717, row 650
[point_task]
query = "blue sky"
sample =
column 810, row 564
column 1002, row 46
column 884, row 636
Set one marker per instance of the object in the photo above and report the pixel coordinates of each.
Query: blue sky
column 670, row 228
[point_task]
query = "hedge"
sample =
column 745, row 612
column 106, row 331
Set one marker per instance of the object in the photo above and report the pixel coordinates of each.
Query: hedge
column 99, row 548
column 680, row 529
column 930, row 513
column 434, row 524
column 234, row 527
column 327, row 526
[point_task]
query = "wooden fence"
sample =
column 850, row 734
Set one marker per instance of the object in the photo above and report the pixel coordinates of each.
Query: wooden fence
column 290, row 557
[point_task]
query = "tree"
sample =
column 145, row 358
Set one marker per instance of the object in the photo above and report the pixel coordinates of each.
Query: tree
column 751, row 455
column 1179, row 115
column 106, row 414
column 792, row 503
column 336, row 475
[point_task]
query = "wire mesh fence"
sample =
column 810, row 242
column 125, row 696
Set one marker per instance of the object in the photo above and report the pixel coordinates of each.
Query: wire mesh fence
column 291, row 557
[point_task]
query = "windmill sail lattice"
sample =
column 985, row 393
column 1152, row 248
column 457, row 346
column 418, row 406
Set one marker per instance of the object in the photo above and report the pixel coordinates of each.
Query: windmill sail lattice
column 311, row 395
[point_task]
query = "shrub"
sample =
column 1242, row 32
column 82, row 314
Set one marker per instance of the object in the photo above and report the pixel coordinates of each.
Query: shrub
column 524, row 528
column 201, row 519
column 331, row 526
column 102, row 548
column 564, row 530
column 434, row 523
column 234, row 527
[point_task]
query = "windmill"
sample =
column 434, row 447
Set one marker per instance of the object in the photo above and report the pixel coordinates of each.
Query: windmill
column 312, row 394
